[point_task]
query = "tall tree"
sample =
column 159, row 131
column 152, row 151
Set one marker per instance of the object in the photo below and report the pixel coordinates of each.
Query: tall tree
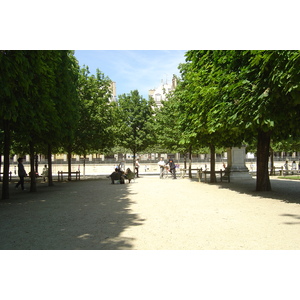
column 135, row 122
column 15, row 81
column 95, row 123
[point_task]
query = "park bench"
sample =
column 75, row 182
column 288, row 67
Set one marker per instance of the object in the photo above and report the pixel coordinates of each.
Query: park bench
column 183, row 171
column 224, row 175
column 290, row 172
column 61, row 173
column 277, row 169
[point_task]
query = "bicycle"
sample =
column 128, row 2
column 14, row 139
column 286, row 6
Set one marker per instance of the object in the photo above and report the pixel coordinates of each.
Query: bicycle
column 167, row 172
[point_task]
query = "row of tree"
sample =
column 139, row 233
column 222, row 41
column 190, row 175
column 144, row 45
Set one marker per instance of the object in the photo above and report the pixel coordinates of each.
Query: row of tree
column 51, row 105
column 230, row 98
column 223, row 98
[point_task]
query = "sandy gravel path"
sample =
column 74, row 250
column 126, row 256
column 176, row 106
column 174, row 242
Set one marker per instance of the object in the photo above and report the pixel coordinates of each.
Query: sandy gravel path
column 152, row 214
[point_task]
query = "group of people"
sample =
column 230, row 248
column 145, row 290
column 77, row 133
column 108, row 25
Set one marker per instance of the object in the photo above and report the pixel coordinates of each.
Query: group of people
column 293, row 165
column 163, row 165
column 120, row 176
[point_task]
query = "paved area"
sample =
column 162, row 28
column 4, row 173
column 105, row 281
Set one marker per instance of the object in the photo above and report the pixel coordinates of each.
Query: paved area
column 151, row 213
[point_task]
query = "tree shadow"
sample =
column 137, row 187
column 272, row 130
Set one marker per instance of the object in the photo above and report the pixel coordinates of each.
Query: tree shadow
column 284, row 190
column 77, row 215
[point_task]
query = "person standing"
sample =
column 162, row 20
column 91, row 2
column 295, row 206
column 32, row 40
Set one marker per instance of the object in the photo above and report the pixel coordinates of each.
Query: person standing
column 171, row 163
column 45, row 173
column 161, row 164
column 21, row 173
column 137, row 166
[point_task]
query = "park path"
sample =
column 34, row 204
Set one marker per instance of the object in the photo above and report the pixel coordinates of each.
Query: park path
column 153, row 214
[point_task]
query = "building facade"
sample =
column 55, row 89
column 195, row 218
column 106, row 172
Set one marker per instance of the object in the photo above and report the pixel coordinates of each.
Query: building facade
column 160, row 93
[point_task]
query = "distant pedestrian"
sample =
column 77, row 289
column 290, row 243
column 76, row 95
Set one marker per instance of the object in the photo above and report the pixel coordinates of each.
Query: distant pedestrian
column 137, row 166
column 121, row 166
column 161, row 165
column 21, row 173
column 45, row 172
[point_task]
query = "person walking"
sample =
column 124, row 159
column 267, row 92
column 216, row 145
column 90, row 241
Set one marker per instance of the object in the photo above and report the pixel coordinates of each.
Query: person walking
column 21, row 173
column 171, row 163
column 161, row 165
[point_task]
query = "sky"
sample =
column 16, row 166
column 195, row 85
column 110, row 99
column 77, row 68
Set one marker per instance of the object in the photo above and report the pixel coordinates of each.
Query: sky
column 140, row 70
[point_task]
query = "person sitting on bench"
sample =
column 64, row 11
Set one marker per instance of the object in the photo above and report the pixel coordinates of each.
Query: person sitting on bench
column 117, row 175
column 129, row 175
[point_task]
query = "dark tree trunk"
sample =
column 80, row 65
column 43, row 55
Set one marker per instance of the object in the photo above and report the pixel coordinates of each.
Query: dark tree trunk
column 6, row 149
column 50, row 179
column 272, row 172
column 69, row 156
column 32, row 168
column 213, row 178
column 190, row 162
column 263, row 147
column 36, row 163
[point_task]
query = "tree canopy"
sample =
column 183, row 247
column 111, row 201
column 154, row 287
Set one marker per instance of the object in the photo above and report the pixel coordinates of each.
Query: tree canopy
column 134, row 124
column 236, row 96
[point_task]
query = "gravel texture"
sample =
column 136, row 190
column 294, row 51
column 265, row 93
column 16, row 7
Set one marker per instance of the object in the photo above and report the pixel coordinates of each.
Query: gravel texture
column 152, row 213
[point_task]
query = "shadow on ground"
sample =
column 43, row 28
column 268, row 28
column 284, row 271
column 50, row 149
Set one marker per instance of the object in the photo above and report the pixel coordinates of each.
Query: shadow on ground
column 284, row 190
column 89, row 214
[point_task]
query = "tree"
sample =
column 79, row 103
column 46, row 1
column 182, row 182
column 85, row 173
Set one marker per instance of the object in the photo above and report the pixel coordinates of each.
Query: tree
column 15, row 82
column 199, row 94
column 267, row 106
column 135, row 122
column 95, row 123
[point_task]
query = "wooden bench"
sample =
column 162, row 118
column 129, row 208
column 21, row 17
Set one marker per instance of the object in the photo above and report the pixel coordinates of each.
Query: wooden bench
column 290, row 172
column 183, row 171
column 224, row 175
column 61, row 173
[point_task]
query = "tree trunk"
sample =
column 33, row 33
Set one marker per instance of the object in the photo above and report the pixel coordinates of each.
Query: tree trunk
column 36, row 164
column 263, row 147
column 32, row 168
column 272, row 172
column 50, row 179
column 84, row 158
column 134, row 159
column 190, row 162
column 6, row 149
column 69, row 156
column 213, row 178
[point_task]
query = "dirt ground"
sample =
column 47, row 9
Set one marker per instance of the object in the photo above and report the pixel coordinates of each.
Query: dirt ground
column 152, row 214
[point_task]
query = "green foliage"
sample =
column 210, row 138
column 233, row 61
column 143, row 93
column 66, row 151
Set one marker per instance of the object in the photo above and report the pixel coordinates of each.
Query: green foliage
column 231, row 96
column 135, row 123
column 95, row 121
